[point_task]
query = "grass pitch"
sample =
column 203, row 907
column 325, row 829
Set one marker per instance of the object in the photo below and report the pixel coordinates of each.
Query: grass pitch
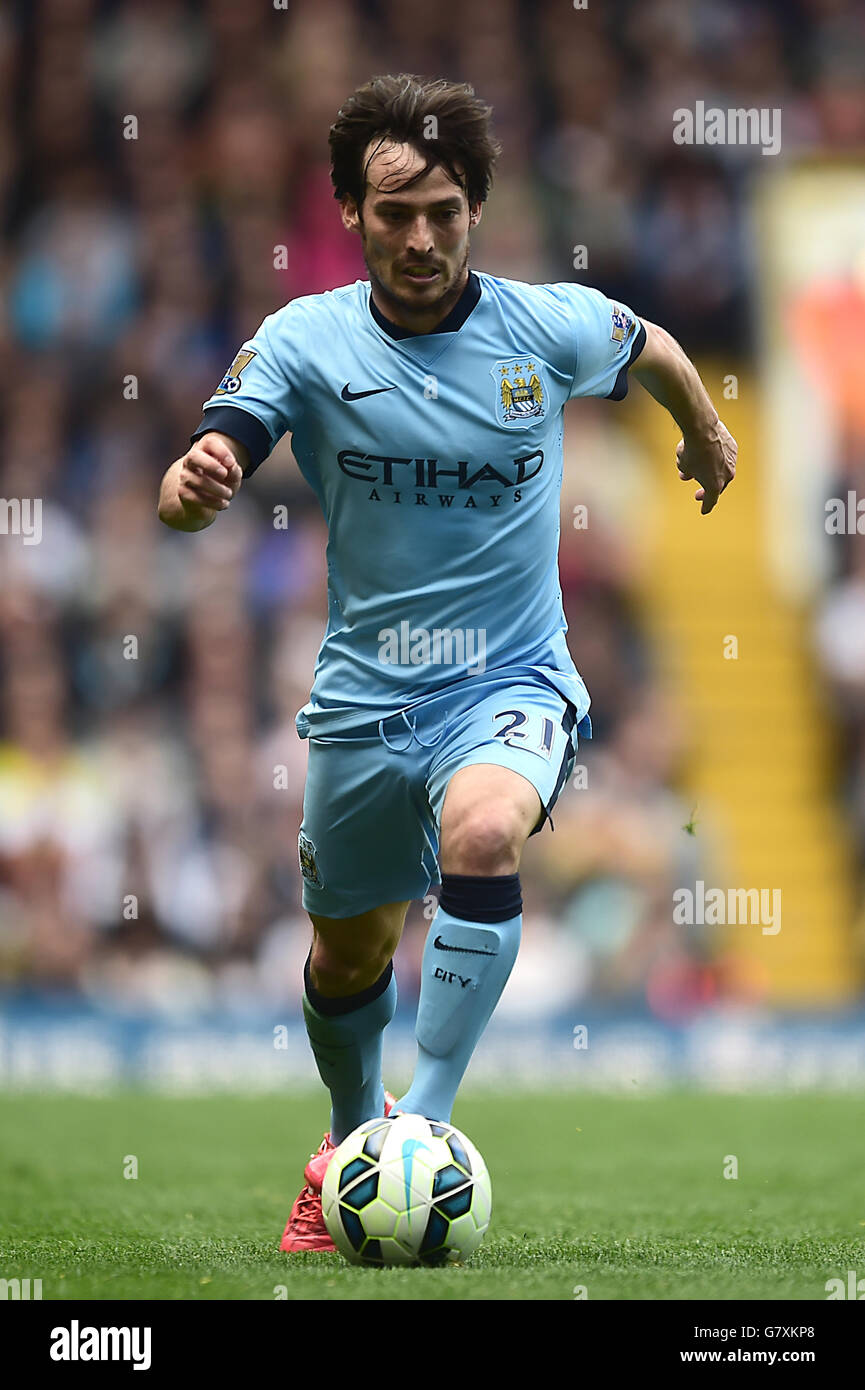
column 625, row 1196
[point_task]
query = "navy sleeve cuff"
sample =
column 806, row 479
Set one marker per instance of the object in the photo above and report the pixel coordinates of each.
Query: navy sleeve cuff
column 239, row 424
column 620, row 390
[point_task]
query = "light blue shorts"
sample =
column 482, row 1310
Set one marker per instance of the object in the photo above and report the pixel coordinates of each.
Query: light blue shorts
column 373, row 798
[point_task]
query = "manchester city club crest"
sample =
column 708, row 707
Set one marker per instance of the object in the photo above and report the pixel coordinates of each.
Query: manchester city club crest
column 308, row 864
column 521, row 396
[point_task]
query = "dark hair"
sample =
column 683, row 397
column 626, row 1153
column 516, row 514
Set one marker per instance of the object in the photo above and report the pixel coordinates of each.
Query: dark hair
column 399, row 108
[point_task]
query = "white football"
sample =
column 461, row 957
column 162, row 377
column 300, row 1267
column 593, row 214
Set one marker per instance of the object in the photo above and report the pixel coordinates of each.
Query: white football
column 406, row 1191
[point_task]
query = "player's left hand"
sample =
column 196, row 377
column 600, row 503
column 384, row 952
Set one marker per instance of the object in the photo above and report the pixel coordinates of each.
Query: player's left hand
column 711, row 459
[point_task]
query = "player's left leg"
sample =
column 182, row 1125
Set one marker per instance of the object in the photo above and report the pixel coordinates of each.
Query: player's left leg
column 489, row 813
column 492, row 784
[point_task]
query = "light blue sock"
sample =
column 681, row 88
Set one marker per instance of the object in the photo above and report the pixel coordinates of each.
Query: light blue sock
column 465, row 968
column 346, row 1041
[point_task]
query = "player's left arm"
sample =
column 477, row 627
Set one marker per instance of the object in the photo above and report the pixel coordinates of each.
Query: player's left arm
column 707, row 450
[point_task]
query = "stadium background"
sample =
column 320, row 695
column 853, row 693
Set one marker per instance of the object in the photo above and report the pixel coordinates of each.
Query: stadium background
column 165, row 185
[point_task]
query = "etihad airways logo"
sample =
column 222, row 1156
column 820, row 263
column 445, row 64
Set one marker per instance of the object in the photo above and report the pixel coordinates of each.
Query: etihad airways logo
column 411, row 477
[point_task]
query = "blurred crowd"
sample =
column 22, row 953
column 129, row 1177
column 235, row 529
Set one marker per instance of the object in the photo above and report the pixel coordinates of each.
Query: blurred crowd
column 165, row 185
column 840, row 624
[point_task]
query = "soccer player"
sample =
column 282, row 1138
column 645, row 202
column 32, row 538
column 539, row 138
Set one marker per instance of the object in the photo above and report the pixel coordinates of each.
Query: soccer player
column 425, row 407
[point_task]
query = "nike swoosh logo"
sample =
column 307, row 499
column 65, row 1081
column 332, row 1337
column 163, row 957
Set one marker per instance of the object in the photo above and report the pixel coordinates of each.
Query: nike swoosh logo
column 348, row 395
column 409, row 1149
column 463, row 950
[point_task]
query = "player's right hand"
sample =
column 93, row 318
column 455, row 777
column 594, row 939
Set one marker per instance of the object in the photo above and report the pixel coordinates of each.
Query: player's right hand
column 209, row 476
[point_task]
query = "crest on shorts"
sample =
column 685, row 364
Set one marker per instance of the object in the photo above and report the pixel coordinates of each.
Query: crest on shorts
column 308, row 865
column 521, row 397
column 231, row 381
column 622, row 325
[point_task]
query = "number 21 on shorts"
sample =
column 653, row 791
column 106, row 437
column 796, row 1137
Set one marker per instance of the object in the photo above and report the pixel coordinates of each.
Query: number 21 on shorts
column 526, row 729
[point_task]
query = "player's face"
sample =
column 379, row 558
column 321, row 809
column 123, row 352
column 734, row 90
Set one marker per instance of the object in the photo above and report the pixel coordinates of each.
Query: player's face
column 415, row 240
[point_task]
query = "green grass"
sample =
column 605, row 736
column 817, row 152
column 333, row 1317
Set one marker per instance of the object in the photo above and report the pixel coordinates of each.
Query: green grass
column 624, row 1195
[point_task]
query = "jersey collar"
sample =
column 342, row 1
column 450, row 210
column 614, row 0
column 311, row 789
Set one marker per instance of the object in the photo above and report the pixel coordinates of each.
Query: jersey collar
column 450, row 324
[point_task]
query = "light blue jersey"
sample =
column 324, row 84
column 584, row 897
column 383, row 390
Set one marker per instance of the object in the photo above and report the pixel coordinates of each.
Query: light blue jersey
column 437, row 461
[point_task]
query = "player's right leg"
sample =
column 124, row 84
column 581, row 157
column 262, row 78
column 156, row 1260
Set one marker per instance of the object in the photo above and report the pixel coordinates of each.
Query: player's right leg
column 349, row 998
column 365, row 839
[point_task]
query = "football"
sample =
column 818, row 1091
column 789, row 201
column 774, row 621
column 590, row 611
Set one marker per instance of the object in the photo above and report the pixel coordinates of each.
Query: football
column 406, row 1191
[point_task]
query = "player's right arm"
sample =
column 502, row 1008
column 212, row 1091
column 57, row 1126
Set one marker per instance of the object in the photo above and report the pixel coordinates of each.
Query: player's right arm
column 255, row 404
column 203, row 482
